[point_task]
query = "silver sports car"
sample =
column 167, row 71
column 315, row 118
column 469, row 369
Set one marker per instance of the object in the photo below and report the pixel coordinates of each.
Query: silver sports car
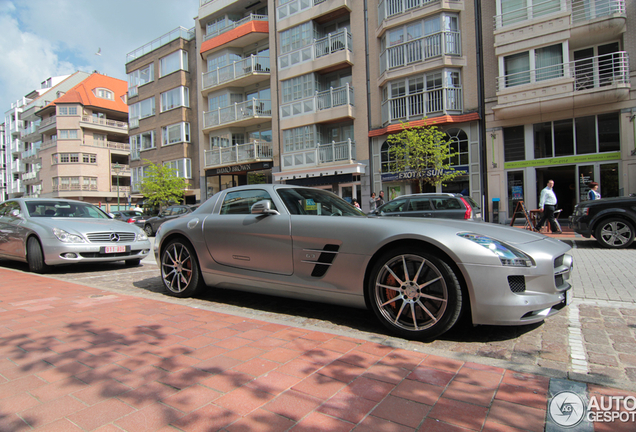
column 418, row 276
column 49, row 231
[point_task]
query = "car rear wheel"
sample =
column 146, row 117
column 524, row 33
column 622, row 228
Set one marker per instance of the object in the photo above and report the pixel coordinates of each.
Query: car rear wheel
column 180, row 269
column 35, row 256
column 614, row 233
column 148, row 230
column 414, row 294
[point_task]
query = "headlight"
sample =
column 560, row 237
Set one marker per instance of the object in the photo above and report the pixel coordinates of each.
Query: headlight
column 141, row 235
column 66, row 237
column 508, row 255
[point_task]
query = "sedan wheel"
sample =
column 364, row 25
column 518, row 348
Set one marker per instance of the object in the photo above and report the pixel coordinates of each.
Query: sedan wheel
column 35, row 256
column 415, row 294
column 615, row 233
column 148, row 230
column 180, row 269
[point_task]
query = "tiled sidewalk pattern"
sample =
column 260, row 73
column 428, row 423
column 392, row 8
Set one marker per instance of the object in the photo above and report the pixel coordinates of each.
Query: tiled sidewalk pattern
column 75, row 358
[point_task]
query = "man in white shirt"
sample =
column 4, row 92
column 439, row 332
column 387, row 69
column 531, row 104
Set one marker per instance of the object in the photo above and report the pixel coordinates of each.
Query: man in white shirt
column 547, row 204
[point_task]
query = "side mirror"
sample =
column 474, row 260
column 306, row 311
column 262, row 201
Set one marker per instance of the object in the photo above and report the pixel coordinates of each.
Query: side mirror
column 264, row 207
column 16, row 214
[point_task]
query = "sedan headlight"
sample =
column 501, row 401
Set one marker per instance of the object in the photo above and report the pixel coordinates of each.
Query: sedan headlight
column 141, row 235
column 67, row 237
column 508, row 255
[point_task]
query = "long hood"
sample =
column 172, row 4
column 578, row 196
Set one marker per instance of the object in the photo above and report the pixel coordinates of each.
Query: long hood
column 83, row 226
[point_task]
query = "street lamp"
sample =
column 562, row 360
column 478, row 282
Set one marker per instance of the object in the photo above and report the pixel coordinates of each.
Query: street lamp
column 117, row 168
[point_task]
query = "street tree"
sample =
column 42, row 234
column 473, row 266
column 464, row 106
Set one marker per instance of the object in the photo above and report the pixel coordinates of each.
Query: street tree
column 425, row 151
column 161, row 186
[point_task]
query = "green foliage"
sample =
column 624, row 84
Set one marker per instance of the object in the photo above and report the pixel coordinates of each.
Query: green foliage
column 161, row 186
column 421, row 149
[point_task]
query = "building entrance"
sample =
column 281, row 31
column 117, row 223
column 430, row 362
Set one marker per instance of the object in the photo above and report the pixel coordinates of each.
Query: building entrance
column 565, row 186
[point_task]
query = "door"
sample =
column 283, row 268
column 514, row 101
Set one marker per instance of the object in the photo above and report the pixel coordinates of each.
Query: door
column 237, row 238
column 11, row 231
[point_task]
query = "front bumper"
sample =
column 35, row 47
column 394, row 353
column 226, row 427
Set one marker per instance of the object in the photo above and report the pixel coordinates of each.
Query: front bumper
column 56, row 252
column 580, row 226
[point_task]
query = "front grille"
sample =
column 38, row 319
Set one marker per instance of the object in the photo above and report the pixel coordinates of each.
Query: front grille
column 517, row 284
column 558, row 261
column 105, row 237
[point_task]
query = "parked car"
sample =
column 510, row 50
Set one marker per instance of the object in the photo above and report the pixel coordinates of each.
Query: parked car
column 431, row 205
column 611, row 221
column 150, row 225
column 418, row 276
column 129, row 216
column 45, row 232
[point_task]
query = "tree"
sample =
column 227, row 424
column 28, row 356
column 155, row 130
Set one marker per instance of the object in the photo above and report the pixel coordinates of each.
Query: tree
column 425, row 151
column 160, row 186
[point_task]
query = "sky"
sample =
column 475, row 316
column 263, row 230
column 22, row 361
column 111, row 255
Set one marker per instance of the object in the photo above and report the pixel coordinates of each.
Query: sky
column 47, row 38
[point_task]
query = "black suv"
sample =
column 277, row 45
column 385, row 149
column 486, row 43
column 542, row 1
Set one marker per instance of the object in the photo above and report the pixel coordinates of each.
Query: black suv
column 431, row 205
column 610, row 221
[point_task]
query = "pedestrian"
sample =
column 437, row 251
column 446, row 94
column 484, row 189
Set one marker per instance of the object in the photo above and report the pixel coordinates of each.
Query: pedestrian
column 372, row 205
column 547, row 204
column 380, row 200
column 593, row 194
column 356, row 204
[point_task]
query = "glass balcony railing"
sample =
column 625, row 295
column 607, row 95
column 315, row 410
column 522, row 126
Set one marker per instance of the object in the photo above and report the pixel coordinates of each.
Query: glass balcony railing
column 434, row 45
column 179, row 32
column 585, row 10
column 240, row 111
column 420, row 105
column 589, row 73
column 242, row 68
column 105, row 122
column 334, row 97
column 235, row 24
column 324, row 46
column 292, row 7
column 242, row 153
column 320, row 155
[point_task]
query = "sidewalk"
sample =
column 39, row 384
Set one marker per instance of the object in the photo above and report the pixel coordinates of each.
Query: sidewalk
column 77, row 358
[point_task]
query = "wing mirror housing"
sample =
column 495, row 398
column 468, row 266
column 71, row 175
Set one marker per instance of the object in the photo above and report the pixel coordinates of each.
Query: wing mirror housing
column 264, row 207
column 16, row 214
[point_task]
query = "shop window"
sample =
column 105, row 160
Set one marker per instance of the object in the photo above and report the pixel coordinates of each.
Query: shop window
column 563, row 138
column 515, row 190
column 608, row 133
column 585, row 128
column 543, row 140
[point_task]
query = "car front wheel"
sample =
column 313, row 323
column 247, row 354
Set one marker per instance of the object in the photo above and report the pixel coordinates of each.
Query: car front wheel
column 148, row 230
column 414, row 294
column 35, row 256
column 180, row 269
column 614, row 233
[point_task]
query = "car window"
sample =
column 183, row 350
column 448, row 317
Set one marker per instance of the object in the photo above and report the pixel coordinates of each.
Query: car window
column 394, row 206
column 472, row 203
column 166, row 212
column 446, row 203
column 420, row 204
column 8, row 206
column 241, row 202
column 64, row 209
column 318, row 202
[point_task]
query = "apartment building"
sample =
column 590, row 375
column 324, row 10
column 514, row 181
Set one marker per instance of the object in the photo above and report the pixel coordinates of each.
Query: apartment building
column 559, row 100
column 3, row 164
column 84, row 143
column 162, row 99
column 423, row 64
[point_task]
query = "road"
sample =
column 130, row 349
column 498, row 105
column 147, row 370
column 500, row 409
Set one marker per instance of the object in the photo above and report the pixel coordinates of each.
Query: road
column 593, row 340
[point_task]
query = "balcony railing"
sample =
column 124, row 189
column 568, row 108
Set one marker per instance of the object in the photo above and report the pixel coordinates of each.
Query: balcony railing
column 294, row 6
column 30, row 153
column 235, row 24
column 321, row 154
column 254, row 151
column 589, row 10
column 331, row 98
column 107, row 144
column 417, row 106
column 239, row 111
column 105, row 122
column 239, row 69
column 47, row 144
column 329, row 44
column 31, row 129
column 589, row 73
column 123, row 169
column 179, row 32
column 389, row 8
column 434, row 45
column 123, row 190
column 47, row 121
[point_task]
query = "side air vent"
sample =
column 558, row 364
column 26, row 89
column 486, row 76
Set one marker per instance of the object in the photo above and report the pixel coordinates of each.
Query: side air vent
column 517, row 284
column 324, row 259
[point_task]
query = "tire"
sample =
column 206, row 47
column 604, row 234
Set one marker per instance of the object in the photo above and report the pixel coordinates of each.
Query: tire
column 132, row 263
column 148, row 230
column 180, row 271
column 614, row 233
column 35, row 256
column 414, row 309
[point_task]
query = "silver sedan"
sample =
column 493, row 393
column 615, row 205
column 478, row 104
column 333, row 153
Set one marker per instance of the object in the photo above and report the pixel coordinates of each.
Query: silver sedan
column 417, row 275
column 45, row 232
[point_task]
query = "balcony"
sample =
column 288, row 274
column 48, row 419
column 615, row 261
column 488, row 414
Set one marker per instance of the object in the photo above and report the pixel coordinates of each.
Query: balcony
column 581, row 83
column 293, row 7
column 242, row 114
column 390, row 8
column 33, row 153
column 124, row 170
column 48, row 143
column 426, row 104
column 113, row 145
column 243, row 73
column 31, row 133
column 31, row 177
column 17, row 166
column 247, row 31
column 47, row 124
column 104, row 124
column 256, row 151
column 179, row 32
column 235, row 24
column 418, row 50
column 322, row 154
column 323, row 48
column 324, row 100
column 123, row 192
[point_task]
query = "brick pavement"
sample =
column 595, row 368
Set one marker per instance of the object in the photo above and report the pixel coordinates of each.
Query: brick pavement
column 75, row 358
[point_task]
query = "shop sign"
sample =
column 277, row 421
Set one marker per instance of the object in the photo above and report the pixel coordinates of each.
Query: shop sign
column 412, row 175
column 240, row 168
column 563, row 160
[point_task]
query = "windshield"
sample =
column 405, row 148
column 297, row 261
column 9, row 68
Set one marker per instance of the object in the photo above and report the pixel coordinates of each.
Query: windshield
column 305, row 201
column 64, row 209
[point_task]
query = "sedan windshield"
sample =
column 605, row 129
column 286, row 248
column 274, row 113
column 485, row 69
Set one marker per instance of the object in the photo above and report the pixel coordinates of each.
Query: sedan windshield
column 304, row 201
column 64, row 209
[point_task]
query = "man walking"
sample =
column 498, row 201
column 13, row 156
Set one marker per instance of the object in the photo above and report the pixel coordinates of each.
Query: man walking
column 547, row 204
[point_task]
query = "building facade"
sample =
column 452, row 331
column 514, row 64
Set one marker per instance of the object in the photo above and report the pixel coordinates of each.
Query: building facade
column 162, row 100
column 559, row 100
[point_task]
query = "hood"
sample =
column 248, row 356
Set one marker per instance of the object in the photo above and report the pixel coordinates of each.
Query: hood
column 83, row 226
